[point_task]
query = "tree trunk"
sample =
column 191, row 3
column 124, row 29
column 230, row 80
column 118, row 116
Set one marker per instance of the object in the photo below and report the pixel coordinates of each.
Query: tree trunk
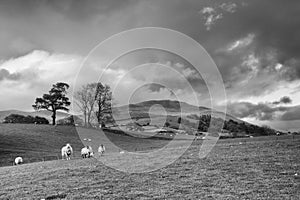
column 53, row 117
column 85, row 122
column 89, row 119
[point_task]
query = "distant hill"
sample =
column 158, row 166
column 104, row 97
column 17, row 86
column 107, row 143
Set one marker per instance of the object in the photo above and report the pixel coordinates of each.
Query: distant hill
column 174, row 108
column 181, row 117
column 149, row 116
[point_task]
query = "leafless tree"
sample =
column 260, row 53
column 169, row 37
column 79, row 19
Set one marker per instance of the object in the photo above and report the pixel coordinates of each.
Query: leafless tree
column 85, row 99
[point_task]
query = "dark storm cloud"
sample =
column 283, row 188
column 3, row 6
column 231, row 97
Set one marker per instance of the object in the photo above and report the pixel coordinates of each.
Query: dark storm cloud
column 5, row 74
column 74, row 27
column 283, row 100
column 67, row 26
column 80, row 9
column 87, row 9
column 275, row 24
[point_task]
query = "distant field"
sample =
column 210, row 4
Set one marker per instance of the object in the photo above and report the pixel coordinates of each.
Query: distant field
column 251, row 168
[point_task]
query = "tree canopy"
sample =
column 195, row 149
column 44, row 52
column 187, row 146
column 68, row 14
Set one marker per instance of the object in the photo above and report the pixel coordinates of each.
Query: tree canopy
column 103, row 99
column 55, row 100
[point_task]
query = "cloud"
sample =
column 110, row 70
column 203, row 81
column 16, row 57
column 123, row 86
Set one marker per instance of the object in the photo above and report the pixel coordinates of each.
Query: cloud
column 255, row 50
column 32, row 75
column 5, row 74
column 229, row 7
column 151, row 92
column 234, row 23
column 241, row 43
column 292, row 114
column 260, row 111
column 161, row 67
column 211, row 16
column 267, row 111
column 283, row 100
column 286, row 100
column 70, row 27
column 154, row 87
column 207, row 10
column 215, row 13
column 268, row 31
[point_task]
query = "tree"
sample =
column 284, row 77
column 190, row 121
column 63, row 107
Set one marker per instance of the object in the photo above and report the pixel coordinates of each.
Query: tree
column 267, row 130
column 103, row 97
column 86, row 100
column 54, row 101
column 179, row 120
column 167, row 124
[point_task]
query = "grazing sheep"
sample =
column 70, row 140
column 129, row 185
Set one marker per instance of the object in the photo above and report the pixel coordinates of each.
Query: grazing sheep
column 84, row 152
column 101, row 149
column 91, row 150
column 18, row 160
column 66, row 152
column 87, row 152
column 277, row 133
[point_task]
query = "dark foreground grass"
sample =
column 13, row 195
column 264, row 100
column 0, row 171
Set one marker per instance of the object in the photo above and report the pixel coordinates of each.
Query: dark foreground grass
column 251, row 168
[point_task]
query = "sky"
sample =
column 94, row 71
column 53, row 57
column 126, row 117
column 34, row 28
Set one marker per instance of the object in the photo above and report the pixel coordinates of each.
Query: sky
column 255, row 45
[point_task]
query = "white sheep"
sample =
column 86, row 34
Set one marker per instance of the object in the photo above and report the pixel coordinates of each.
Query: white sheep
column 101, row 149
column 66, row 152
column 87, row 152
column 18, row 160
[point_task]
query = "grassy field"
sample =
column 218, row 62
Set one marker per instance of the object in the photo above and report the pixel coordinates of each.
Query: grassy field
column 43, row 142
column 252, row 168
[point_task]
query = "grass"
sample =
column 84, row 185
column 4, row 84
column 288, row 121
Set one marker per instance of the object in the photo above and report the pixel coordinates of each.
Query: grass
column 43, row 142
column 252, row 168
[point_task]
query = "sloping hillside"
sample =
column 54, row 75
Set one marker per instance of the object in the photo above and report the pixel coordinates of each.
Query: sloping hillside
column 174, row 108
column 33, row 142
column 44, row 142
column 155, row 113
column 262, row 168
column 179, row 117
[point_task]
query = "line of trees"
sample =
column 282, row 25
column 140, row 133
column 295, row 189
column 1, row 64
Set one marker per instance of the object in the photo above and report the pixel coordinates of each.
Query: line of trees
column 234, row 126
column 21, row 119
column 93, row 100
